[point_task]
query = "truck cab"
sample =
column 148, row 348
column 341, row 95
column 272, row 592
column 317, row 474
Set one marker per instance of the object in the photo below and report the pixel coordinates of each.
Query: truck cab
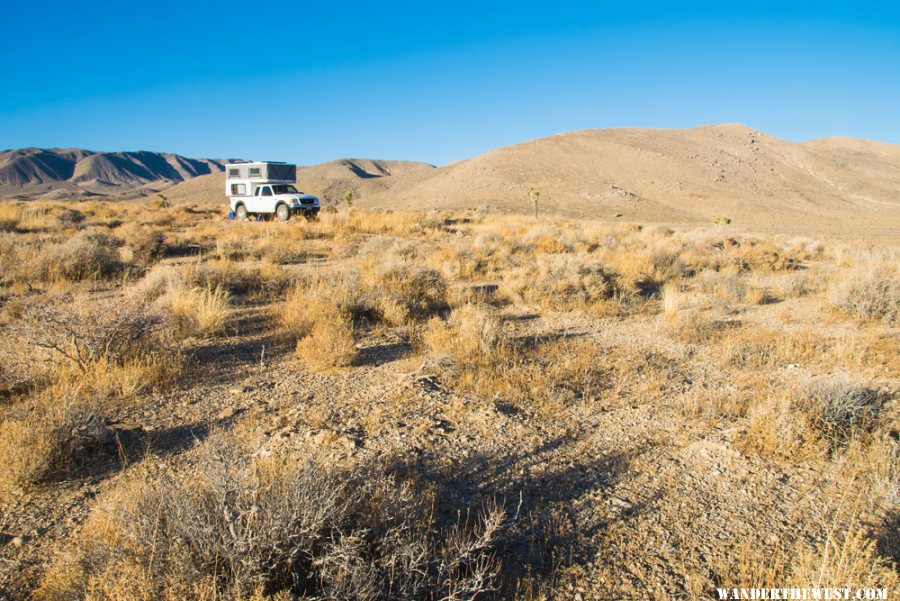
column 266, row 189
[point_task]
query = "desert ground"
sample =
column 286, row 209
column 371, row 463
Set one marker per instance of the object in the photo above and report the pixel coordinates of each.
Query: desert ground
column 441, row 404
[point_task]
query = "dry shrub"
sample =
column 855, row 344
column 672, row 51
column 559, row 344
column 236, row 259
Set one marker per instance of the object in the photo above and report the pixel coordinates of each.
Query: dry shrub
column 236, row 278
column 329, row 294
column 421, row 290
column 83, row 333
column 840, row 408
column 84, row 256
column 535, row 374
column 564, row 282
column 471, row 332
column 48, row 435
column 113, row 347
column 147, row 245
column 197, row 311
column 794, row 285
column 235, row 526
column 330, row 343
column 776, row 429
column 874, row 296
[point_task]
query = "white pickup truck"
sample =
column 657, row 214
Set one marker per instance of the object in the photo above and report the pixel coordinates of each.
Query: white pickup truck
column 266, row 189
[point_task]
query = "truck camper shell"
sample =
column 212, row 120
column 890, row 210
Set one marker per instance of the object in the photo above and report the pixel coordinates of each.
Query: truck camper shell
column 265, row 171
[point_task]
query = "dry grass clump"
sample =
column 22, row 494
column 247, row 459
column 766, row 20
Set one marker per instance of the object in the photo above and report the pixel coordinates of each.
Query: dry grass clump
column 84, row 256
column 471, row 332
column 421, row 291
column 236, row 527
column 847, row 555
column 775, row 428
column 840, row 408
column 564, row 282
column 324, row 293
column 814, row 419
column 672, row 299
column 237, row 278
column 759, row 348
column 147, row 245
column 197, row 312
column 870, row 296
column 533, row 374
column 330, row 343
column 47, row 435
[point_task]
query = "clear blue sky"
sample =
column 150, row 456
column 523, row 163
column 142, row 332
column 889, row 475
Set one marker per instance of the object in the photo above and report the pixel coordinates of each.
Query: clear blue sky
column 312, row 81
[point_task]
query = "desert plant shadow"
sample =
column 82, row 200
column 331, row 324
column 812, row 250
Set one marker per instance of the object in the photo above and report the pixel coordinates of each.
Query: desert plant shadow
column 529, row 486
column 130, row 445
column 382, row 354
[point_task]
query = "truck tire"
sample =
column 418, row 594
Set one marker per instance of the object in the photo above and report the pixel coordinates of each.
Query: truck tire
column 240, row 213
column 282, row 212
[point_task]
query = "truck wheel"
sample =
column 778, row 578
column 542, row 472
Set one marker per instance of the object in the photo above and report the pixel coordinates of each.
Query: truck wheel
column 241, row 213
column 283, row 212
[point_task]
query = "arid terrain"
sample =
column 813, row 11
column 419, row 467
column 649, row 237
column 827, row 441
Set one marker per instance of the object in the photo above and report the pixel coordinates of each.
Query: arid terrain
column 439, row 405
column 834, row 186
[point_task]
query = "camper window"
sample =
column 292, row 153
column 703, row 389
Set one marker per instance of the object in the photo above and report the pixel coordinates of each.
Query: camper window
column 234, row 173
column 238, row 189
column 254, row 172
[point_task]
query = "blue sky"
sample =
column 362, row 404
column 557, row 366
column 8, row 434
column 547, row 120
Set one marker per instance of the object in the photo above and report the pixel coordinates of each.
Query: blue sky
column 312, row 81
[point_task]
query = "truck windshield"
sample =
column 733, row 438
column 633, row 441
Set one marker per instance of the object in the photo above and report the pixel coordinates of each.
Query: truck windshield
column 284, row 189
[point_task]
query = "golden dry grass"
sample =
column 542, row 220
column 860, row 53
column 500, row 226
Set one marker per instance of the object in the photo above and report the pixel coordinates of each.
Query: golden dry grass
column 783, row 348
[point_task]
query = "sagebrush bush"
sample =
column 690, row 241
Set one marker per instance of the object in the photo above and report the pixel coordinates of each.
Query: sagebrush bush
column 873, row 296
column 839, row 407
column 113, row 347
column 147, row 246
column 47, row 435
column 84, row 256
column 421, row 290
column 235, row 526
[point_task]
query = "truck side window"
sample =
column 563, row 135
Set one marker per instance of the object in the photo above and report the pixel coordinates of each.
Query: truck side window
column 267, row 191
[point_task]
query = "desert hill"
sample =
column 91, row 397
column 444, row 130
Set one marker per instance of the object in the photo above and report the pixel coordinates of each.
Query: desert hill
column 686, row 176
column 693, row 175
column 73, row 172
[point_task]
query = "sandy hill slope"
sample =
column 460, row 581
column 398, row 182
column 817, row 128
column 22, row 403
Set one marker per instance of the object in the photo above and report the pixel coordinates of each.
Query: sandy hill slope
column 693, row 175
column 329, row 181
column 73, row 172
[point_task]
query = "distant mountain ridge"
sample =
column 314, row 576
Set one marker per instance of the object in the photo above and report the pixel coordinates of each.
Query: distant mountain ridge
column 71, row 172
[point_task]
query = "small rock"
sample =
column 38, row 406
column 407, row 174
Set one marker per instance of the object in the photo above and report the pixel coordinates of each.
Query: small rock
column 620, row 503
column 17, row 542
column 225, row 413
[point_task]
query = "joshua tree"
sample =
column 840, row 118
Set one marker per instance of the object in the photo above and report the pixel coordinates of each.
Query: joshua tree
column 534, row 194
column 348, row 198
